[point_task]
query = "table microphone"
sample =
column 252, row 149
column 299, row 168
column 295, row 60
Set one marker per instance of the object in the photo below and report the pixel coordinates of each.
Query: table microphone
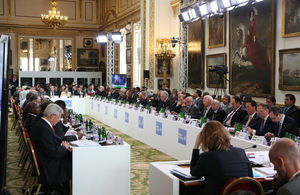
column 253, row 146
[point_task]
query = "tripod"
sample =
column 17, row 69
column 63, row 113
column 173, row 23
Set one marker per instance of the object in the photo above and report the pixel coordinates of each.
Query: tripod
column 220, row 90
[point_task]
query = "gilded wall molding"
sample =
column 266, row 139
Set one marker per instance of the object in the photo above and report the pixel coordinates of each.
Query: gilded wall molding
column 144, row 7
column 151, row 42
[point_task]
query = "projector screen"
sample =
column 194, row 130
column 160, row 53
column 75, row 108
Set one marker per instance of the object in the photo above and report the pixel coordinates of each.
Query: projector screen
column 119, row 81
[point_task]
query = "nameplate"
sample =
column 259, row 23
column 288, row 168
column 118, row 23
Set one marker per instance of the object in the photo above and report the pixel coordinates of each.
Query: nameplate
column 141, row 122
column 98, row 108
column 115, row 113
column 258, row 139
column 126, row 117
column 158, row 128
column 182, row 136
column 242, row 135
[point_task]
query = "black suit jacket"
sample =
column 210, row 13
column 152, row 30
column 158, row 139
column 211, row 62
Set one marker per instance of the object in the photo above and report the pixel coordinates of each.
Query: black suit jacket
column 28, row 121
column 239, row 116
column 294, row 112
column 218, row 167
column 61, row 130
column 55, row 162
column 289, row 125
column 267, row 127
column 199, row 103
column 209, row 114
column 102, row 93
column 192, row 111
column 219, row 115
column 254, row 123
column 161, row 104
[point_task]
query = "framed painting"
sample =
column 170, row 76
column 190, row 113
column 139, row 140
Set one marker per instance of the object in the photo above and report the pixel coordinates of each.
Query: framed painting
column 216, row 31
column 87, row 57
column 289, row 70
column 251, row 49
column 195, row 54
column 87, row 42
column 290, row 18
column 160, row 67
column 160, row 83
column 214, row 76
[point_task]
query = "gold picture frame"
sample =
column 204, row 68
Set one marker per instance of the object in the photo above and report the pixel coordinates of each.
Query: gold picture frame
column 289, row 27
column 212, row 78
column 159, row 67
column 289, row 74
column 216, row 31
column 88, row 42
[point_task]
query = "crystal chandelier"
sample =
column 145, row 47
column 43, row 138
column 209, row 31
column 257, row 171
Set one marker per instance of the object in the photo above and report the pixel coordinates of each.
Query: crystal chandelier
column 53, row 18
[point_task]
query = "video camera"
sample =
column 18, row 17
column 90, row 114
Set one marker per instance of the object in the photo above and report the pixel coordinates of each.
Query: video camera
column 219, row 69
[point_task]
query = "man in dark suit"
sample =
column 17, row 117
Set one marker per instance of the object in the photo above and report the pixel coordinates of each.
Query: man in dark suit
column 33, row 111
column 101, row 91
column 218, row 113
column 53, row 153
column 290, row 109
column 51, row 92
column 163, row 101
column 143, row 98
column 282, row 124
column 61, row 127
column 252, row 120
column 190, row 109
column 265, row 123
column 197, row 100
column 207, row 112
column 237, row 115
column 285, row 155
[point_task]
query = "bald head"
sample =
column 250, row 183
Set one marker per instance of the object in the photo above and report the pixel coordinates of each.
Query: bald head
column 285, row 148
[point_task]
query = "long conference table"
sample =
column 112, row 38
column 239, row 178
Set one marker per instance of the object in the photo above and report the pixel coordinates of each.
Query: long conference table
column 173, row 138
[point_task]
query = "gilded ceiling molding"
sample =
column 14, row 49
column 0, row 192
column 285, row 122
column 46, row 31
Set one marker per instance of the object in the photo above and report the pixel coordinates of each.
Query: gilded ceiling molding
column 151, row 42
column 175, row 6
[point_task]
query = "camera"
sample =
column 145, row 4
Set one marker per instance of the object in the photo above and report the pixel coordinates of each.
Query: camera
column 219, row 69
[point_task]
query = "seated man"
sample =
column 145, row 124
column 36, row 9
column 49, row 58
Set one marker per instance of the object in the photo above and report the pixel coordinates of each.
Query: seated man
column 252, row 120
column 62, row 127
column 226, row 106
column 197, row 100
column 190, row 108
column 53, row 153
column 218, row 113
column 265, row 123
column 237, row 115
column 290, row 109
column 143, row 98
column 33, row 111
column 271, row 101
column 163, row 101
column 285, row 155
column 101, row 91
column 207, row 112
column 282, row 124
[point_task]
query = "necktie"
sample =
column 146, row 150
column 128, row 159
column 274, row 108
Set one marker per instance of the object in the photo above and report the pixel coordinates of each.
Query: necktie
column 249, row 120
column 206, row 112
column 279, row 129
column 262, row 124
column 228, row 119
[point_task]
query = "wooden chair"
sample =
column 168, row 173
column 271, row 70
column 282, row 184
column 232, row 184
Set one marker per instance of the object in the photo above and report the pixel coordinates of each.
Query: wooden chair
column 33, row 169
column 13, row 105
column 243, row 184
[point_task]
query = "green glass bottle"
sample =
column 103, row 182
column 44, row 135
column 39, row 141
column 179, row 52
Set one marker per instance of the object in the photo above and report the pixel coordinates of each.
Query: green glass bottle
column 202, row 121
column 238, row 127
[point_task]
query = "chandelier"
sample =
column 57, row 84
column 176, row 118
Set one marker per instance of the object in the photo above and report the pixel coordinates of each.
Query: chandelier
column 53, row 18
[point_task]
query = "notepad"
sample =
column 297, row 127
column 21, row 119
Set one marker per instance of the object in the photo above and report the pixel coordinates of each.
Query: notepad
column 182, row 172
column 84, row 143
column 268, row 171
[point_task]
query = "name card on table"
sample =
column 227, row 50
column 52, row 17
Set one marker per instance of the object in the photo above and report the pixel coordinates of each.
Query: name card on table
column 68, row 103
column 182, row 136
column 158, row 128
column 126, row 117
column 92, row 105
column 106, row 110
column 242, row 135
column 141, row 122
column 98, row 107
column 115, row 113
column 259, row 139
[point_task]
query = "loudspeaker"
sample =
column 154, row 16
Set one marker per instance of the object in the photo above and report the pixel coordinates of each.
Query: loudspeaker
column 146, row 74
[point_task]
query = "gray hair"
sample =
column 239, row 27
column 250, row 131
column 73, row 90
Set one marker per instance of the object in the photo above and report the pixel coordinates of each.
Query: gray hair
column 208, row 97
column 165, row 93
column 217, row 101
column 53, row 109
column 101, row 87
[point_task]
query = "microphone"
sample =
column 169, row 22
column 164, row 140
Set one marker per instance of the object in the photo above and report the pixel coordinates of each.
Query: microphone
column 253, row 146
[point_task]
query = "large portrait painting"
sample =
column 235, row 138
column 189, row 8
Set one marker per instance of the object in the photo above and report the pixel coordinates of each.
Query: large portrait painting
column 290, row 18
column 216, row 27
column 214, row 72
column 195, row 56
column 160, row 67
column 289, row 69
column 251, row 53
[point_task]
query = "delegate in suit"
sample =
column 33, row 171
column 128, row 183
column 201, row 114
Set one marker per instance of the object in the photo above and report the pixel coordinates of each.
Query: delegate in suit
column 220, row 162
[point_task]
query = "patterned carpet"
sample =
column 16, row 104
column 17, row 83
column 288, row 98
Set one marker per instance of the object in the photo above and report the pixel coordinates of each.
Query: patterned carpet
column 141, row 156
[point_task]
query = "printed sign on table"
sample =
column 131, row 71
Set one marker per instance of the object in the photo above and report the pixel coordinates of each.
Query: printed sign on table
column 182, row 136
column 158, row 128
column 115, row 113
column 68, row 103
column 126, row 117
column 141, row 122
column 98, row 108
column 106, row 110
